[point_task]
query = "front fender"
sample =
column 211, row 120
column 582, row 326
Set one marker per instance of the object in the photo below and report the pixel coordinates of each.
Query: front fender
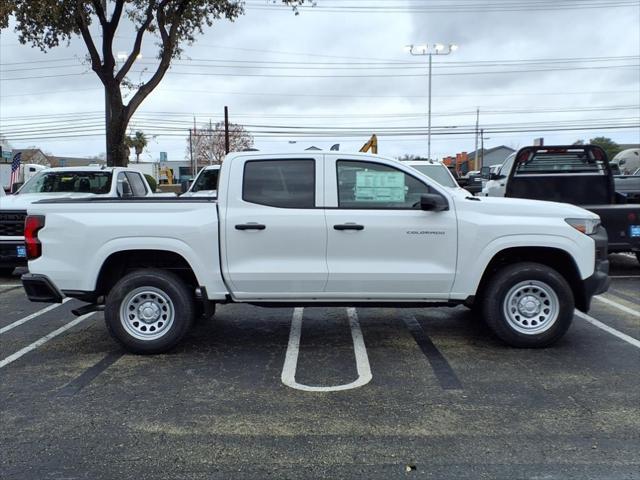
column 473, row 263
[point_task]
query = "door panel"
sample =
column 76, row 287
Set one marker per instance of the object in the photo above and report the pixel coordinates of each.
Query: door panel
column 399, row 251
column 273, row 249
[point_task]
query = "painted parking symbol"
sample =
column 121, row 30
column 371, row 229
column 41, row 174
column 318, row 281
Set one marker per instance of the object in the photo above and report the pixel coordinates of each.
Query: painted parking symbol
column 293, row 350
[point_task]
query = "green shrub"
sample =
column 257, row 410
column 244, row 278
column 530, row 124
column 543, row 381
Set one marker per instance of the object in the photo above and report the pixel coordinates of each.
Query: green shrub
column 151, row 181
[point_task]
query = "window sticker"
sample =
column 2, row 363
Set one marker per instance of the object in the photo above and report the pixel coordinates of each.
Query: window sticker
column 375, row 186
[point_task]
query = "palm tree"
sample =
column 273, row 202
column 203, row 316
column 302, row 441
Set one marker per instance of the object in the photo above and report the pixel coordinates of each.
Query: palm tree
column 138, row 141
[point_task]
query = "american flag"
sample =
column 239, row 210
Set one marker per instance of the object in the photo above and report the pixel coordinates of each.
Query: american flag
column 15, row 170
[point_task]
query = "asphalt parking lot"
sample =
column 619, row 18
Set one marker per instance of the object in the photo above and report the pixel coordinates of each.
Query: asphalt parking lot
column 322, row 393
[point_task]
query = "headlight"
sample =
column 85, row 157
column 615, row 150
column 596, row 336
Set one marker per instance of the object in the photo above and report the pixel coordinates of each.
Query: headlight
column 588, row 226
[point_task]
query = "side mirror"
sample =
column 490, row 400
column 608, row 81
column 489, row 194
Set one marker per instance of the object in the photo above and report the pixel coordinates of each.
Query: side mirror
column 184, row 186
column 433, row 203
column 486, row 173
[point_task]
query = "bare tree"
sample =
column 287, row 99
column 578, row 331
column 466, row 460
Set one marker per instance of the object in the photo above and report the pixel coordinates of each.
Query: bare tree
column 208, row 142
column 173, row 23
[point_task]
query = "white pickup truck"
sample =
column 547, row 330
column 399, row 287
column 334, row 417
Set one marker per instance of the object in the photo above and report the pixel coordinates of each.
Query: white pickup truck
column 316, row 228
column 62, row 182
column 205, row 184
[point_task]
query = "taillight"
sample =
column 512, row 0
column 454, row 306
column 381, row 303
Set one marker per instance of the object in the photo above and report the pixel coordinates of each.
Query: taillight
column 32, row 225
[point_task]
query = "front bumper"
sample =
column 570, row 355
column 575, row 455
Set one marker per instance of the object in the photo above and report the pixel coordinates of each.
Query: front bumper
column 12, row 253
column 598, row 282
column 40, row 289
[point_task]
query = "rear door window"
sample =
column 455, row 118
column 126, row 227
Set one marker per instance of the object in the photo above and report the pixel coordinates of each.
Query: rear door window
column 280, row 183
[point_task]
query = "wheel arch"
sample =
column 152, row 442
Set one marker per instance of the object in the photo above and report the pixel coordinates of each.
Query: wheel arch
column 117, row 264
column 556, row 258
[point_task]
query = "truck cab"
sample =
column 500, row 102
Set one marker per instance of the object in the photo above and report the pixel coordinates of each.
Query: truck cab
column 205, row 184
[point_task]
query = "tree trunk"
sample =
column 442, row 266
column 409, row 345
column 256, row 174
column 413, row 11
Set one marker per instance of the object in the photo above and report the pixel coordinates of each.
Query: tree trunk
column 117, row 152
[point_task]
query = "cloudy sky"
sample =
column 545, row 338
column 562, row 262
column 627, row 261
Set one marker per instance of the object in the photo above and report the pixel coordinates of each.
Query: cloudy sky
column 559, row 69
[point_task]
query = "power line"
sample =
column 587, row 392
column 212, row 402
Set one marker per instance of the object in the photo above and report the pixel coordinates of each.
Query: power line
column 369, row 75
column 330, row 95
column 449, row 7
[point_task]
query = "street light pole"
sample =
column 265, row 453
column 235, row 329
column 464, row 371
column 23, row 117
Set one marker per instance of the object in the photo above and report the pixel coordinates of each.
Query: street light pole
column 430, row 51
column 429, row 115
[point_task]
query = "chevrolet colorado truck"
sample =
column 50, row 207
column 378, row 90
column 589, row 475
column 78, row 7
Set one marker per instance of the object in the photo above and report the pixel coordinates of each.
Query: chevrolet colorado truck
column 67, row 182
column 313, row 229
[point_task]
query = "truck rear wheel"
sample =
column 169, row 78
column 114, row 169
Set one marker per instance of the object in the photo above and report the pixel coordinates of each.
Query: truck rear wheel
column 528, row 305
column 149, row 311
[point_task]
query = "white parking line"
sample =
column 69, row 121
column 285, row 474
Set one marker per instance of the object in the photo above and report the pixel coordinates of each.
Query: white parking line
column 10, row 285
column 17, row 323
column 12, row 358
column 608, row 329
column 288, row 376
column 619, row 306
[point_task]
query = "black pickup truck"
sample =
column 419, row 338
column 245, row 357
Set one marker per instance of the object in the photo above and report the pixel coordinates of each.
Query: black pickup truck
column 580, row 175
column 629, row 186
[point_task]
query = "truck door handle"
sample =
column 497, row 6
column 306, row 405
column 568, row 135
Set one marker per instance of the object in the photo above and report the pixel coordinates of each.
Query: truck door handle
column 250, row 226
column 348, row 226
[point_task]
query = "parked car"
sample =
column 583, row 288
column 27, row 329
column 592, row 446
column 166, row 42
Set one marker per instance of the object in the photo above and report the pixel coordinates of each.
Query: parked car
column 25, row 172
column 496, row 178
column 628, row 186
column 316, row 228
column 474, row 182
column 68, row 182
column 205, row 184
column 438, row 171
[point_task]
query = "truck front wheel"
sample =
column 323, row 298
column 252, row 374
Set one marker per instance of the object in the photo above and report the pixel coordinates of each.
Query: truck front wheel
column 528, row 305
column 149, row 311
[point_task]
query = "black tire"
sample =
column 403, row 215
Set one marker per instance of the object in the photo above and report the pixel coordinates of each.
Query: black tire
column 528, row 305
column 6, row 271
column 162, row 296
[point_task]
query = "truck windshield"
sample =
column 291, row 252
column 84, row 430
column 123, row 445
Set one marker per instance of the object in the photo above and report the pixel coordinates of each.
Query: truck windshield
column 72, row 182
column 439, row 173
column 560, row 162
column 207, row 180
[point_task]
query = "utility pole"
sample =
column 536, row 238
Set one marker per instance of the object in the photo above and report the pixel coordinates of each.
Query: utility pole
column 193, row 172
column 429, row 115
column 475, row 161
column 211, row 139
column 482, row 148
column 430, row 50
column 194, row 159
column 226, row 130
